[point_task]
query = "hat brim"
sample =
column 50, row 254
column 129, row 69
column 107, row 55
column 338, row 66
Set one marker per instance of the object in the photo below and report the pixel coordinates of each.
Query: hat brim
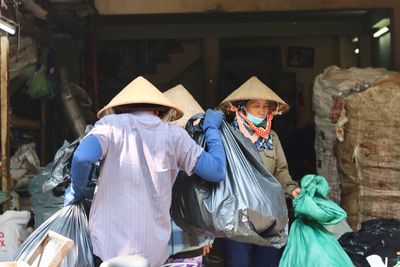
column 141, row 91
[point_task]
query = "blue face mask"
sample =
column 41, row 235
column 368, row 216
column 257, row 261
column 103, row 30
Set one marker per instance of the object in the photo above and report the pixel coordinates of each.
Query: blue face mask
column 257, row 121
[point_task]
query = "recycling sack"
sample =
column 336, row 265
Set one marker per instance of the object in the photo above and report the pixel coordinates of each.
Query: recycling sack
column 249, row 206
column 70, row 222
column 309, row 243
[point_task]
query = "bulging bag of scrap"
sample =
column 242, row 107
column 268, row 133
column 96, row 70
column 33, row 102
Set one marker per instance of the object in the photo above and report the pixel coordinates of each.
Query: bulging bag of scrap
column 310, row 243
column 249, row 206
column 70, row 222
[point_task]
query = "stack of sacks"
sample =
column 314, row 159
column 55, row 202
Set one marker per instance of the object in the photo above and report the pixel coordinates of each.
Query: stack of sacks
column 369, row 156
column 330, row 88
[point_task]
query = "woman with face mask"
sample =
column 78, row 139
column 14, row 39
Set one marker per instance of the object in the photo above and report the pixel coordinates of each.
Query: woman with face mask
column 254, row 105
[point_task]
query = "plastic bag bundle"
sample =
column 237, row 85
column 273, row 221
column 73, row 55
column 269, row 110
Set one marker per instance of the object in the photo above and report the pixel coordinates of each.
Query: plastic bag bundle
column 378, row 236
column 70, row 222
column 309, row 243
column 249, row 206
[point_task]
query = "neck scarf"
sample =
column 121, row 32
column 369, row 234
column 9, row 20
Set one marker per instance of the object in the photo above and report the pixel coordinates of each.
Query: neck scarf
column 260, row 135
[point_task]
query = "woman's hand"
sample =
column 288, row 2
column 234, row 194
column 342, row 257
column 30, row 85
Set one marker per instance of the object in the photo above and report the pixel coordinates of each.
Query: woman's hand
column 296, row 192
column 207, row 249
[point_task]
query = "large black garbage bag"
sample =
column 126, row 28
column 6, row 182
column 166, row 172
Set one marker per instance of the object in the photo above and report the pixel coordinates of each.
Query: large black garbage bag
column 378, row 236
column 60, row 173
column 70, row 222
column 59, row 177
column 249, row 206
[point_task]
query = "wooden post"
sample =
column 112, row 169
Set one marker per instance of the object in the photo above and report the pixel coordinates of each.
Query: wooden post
column 211, row 58
column 5, row 114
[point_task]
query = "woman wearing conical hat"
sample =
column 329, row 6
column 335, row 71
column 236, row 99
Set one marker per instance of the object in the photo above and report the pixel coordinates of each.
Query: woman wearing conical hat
column 183, row 246
column 139, row 155
column 254, row 105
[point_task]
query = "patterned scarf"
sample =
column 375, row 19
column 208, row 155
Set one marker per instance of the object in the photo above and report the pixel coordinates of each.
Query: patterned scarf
column 260, row 136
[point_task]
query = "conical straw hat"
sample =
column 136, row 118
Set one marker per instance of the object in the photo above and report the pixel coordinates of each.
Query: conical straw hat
column 253, row 88
column 141, row 91
column 185, row 101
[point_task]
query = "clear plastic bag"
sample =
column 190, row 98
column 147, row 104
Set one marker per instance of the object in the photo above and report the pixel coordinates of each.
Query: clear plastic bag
column 71, row 222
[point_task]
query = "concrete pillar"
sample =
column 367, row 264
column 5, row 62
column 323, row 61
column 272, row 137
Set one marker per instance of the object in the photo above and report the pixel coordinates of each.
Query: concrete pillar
column 211, row 61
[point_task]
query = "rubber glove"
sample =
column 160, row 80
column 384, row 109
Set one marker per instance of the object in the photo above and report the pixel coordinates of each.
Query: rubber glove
column 211, row 165
column 213, row 119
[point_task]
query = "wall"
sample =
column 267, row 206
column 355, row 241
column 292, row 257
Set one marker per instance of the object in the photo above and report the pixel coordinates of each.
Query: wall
column 68, row 56
column 327, row 51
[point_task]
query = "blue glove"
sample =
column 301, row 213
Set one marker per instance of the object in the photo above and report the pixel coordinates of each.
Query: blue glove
column 211, row 165
column 212, row 119
column 87, row 153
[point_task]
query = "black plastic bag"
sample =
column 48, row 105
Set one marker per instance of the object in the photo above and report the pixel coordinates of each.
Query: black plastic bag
column 249, row 206
column 59, row 178
column 71, row 222
column 44, row 204
column 60, row 173
column 378, row 236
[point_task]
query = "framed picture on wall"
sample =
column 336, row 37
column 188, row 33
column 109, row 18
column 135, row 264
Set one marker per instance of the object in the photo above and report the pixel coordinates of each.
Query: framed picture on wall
column 300, row 57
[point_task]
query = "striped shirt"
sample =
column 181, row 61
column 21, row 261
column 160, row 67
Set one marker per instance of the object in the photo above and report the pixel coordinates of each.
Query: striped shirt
column 130, row 210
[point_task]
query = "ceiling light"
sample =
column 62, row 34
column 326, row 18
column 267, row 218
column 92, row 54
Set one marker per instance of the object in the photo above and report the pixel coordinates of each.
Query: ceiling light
column 382, row 23
column 381, row 31
column 8, row 25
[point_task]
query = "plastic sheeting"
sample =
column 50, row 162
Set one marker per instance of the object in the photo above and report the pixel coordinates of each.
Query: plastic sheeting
column 249, row 206
column 70, row 222
column 24, row 164
column 379, row 236
column 23, row 56
column 309, row 243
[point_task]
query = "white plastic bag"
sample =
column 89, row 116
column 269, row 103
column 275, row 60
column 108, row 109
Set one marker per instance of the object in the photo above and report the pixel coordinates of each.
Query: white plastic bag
column 13, row 232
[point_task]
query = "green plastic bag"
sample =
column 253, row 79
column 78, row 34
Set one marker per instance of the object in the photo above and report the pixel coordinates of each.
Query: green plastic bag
column 40, row 87
column 309, row 243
